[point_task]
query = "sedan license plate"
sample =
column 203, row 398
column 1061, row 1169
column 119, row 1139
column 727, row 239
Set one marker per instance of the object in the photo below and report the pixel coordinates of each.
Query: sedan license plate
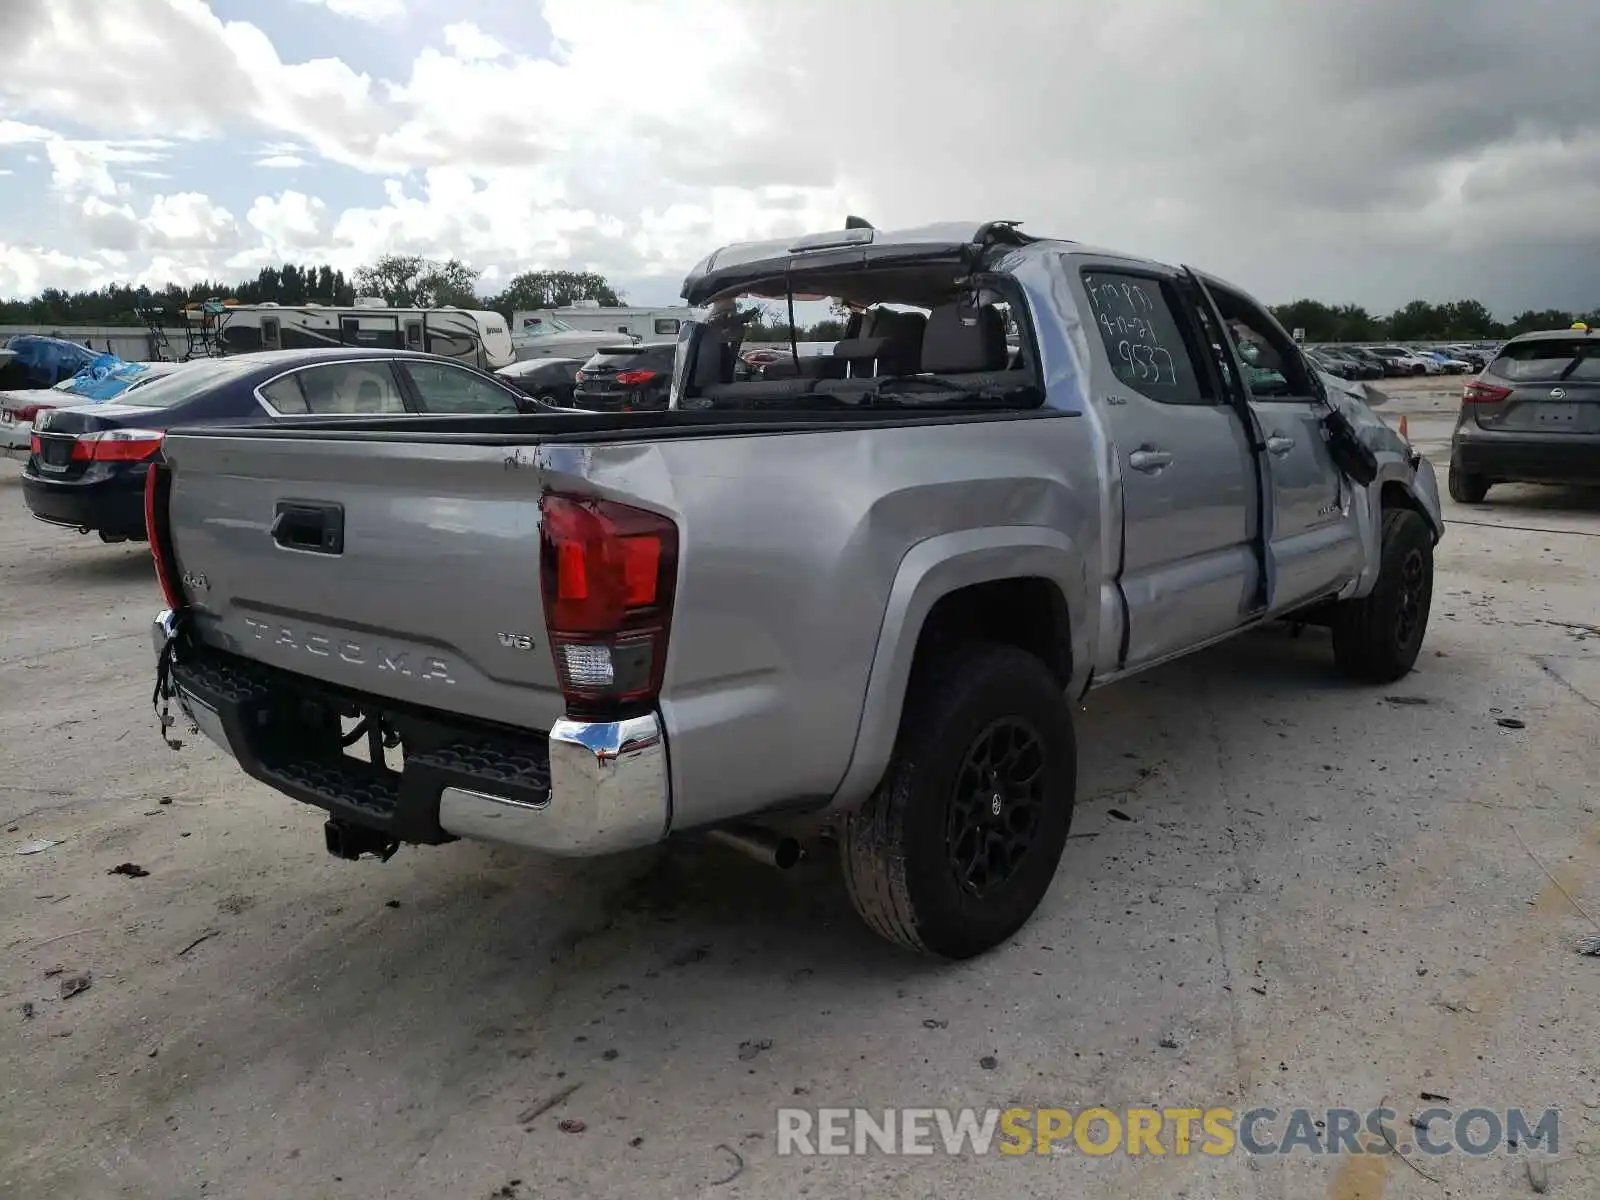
column 1557, row 414
column 55, row 454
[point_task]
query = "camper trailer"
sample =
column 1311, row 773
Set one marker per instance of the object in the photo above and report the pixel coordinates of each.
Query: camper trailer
column 477, row 338
column 641, row 324
column 540, row 335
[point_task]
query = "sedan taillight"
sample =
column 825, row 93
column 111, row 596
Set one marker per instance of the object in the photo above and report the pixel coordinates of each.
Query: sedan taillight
column 117, row 445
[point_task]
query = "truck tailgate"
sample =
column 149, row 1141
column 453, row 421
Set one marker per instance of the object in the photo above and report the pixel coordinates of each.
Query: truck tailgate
column 404, row 570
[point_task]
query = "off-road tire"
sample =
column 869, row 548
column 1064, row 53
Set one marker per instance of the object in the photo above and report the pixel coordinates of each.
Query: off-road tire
column 1373, row 639
column 1465, row 488
column 894, row 851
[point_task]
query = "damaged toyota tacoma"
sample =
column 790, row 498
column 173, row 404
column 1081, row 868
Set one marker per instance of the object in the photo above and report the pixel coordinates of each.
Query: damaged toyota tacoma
column 862, row 591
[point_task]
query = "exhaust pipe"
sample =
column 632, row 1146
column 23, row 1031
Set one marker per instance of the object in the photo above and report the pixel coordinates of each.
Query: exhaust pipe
column 774, row 849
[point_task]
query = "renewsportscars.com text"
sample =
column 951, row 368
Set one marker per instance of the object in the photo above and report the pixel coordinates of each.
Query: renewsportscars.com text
column 1166, row 1131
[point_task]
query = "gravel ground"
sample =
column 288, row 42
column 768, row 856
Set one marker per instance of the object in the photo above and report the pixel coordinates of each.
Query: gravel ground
column 1281, row 890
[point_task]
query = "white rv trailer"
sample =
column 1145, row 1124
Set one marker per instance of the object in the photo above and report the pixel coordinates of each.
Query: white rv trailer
column 479, row 339
column 644, row 324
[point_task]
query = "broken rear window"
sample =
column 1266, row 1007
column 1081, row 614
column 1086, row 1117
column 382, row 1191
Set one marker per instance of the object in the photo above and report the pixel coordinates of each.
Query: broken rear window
column 1549, row 360
column 896, row 338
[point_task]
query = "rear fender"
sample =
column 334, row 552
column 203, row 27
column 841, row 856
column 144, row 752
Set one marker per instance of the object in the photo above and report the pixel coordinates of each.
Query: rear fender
column 931, row 570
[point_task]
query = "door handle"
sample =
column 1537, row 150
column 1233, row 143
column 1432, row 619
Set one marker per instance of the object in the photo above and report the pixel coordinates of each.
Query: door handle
column 311, row 526
column 1149, row 460
column 1280, row 445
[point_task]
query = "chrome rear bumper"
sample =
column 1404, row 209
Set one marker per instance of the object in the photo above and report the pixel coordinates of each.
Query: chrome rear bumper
column 608, row 783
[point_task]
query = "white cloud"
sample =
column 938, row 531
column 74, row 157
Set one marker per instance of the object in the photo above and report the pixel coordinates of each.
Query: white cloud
column 290, row 222
column 472, row 44
column 26, row 270
column 363, row 10
column 15, row 133
column 109, row 226
column 188, row 221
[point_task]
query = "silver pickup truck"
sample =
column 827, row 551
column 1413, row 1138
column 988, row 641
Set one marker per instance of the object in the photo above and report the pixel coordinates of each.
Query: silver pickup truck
column 864, row 596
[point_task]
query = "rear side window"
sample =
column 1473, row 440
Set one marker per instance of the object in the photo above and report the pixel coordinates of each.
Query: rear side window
column 1550, row 361
column 444, row 388
column 336, row 388
column 1142, row 337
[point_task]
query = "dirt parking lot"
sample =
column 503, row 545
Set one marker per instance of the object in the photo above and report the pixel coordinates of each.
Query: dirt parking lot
column 1281, row 891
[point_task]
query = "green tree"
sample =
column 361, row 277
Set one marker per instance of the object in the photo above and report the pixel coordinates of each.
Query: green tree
column 411, row 281
column 554, row 289
column 1315, row 317
column 1547, row 318
column 1469, row 320
column 1415, row 322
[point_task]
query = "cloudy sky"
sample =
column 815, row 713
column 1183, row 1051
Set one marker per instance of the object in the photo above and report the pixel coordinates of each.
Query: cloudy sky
column 1361, row 151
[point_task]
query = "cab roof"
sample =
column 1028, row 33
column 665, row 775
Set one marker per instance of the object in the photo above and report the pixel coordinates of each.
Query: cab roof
column 744, row 264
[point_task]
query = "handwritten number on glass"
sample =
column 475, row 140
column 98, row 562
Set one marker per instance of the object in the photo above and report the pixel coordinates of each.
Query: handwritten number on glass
column 1120, row 309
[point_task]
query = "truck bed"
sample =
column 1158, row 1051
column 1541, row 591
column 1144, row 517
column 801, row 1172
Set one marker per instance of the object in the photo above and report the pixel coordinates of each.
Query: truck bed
column 785, row 569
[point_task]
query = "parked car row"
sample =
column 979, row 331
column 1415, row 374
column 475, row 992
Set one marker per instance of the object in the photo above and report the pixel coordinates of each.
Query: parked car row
column 1377, row 362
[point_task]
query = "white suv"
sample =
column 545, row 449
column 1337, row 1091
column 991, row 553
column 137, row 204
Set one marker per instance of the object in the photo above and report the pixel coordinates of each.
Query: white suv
column 1409, row 360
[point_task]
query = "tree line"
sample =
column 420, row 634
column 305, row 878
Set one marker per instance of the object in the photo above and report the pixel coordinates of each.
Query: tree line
column 412, row 280
column 403, row 281
column 1419, row 321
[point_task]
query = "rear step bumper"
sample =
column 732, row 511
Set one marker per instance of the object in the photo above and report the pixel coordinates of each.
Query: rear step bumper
column 588, row 787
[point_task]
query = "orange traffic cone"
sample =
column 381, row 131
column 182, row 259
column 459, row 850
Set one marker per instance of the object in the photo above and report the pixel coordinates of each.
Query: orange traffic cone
column 1404, row 432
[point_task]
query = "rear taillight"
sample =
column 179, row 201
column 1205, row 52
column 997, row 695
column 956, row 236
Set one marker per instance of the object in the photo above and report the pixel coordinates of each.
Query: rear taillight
column 117, row 445
column 1479, row 392
column 635, row 378
column 157, row 488
column 608, row 572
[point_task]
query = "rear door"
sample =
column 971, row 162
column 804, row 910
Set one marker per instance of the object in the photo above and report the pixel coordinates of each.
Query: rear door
column 363, row 385
column 1190, row 506
column 449, row 388
column 1314, row 540
column 1542, row 385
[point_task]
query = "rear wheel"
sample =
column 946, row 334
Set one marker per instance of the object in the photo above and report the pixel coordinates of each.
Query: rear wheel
column 1377, row 638
column 1466, row 488
column 959, row 843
